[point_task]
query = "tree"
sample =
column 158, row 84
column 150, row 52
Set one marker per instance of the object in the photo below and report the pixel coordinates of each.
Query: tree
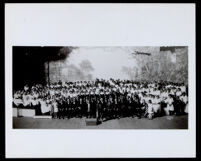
column 86, row 68
column 164, row 65
column 131, row 72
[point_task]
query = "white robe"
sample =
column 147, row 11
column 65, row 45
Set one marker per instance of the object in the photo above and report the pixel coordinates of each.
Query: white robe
column 185, row 100
column 17, row 101
column 156, row 105
column 150, row 109
column 169, row 102
column 44, row 107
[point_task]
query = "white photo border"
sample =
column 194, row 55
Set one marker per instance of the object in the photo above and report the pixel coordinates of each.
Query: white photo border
column 99, row 25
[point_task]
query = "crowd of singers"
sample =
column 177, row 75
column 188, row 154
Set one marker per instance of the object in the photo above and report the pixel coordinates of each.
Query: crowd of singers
column 104, row 99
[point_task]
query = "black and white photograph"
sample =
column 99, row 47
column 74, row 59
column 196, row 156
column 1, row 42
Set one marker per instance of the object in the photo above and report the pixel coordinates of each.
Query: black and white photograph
column 100, row 87
column 104, row 80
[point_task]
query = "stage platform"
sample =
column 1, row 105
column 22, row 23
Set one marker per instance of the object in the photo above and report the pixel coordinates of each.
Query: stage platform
column 42, row 117
column 29, row 112
column 23, row 112
column 165, row 122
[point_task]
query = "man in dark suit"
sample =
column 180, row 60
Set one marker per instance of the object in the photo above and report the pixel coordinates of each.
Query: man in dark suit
column 93, row 107
column 59, row 109
column 73, row 109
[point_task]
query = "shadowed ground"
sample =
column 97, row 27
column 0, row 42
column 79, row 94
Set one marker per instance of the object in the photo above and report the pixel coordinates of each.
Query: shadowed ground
column 165, row 122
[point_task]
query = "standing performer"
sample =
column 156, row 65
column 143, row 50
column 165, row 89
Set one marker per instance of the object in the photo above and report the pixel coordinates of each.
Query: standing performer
column 73, row 111
column 84, row 107
column 68, row 108
column 107, row 111
column 93, row 107
column 170, row 106
column 116, row 108
column 88, row 108
column 62, row 109
column 55, row 109
column 122, row 106
column 137, row 106
column 150, row 110
column 144, row 108
column 104, row 108
column 130, row 107
column 184, row 99
column 98, row 112
column 80, row 104
column 156, row 105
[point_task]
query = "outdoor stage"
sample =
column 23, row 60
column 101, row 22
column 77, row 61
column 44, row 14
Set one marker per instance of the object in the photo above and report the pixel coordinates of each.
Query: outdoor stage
column 165, row 122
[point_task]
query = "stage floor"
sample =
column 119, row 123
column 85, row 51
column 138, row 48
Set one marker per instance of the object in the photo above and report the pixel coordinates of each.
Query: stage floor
column 165, row 122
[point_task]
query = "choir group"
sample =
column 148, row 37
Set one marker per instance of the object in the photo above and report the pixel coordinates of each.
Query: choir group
column 104, row 99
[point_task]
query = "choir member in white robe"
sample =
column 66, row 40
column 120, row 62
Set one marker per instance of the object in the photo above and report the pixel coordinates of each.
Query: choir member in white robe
column 150, row 110
column 170, row 106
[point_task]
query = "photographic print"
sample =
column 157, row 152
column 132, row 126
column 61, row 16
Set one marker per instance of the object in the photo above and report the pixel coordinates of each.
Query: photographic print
column 100, row 80
column 100, row 87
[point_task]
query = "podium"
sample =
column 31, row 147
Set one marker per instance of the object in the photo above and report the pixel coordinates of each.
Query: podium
column 91, row 121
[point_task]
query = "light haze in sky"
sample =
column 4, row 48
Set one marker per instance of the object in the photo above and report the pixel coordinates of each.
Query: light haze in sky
column 107, row 61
